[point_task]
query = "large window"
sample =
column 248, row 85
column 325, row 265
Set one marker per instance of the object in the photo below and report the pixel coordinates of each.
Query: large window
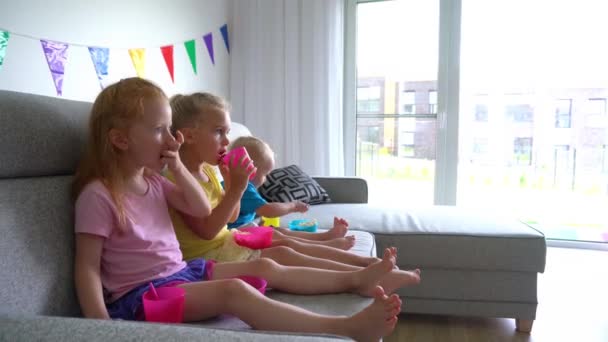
column 397, row 99
column 542, row 121
column 521, row 99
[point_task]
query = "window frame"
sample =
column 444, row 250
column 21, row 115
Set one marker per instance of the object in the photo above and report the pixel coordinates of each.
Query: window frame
column 448, row 93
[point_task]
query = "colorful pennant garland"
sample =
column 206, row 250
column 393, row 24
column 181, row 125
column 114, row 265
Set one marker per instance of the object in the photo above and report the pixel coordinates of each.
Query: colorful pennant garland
column 167, row 52
column 100, row 58
column 191, row 49
column 224, row 31
column 56, row 56
column 4, row 36
column 138, row 57
column 208, row 38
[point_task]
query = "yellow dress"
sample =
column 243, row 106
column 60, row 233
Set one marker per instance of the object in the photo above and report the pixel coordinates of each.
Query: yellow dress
column 222, row 247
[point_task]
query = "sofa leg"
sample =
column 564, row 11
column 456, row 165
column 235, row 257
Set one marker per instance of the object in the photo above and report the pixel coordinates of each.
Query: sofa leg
column 524, row 325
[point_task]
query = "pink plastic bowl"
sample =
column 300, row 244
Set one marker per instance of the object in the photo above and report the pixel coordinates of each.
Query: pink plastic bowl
column 167, row 308
column 254, row 237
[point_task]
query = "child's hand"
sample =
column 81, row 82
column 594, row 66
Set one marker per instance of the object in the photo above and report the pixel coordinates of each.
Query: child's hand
column 239, row 173
column 225, row 172
column 171, row 154
column 299, row 206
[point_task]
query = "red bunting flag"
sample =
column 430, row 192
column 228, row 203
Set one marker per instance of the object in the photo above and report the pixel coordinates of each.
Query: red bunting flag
column 167, row 52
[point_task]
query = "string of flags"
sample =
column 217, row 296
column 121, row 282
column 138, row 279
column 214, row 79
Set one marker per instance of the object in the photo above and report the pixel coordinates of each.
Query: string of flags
column 56, row 54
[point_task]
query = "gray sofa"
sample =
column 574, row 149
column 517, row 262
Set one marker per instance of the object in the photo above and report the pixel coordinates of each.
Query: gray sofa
column 472, row 263
column 41, row 139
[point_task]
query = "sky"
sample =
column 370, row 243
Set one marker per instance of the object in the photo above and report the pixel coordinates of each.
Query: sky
column 505, row 43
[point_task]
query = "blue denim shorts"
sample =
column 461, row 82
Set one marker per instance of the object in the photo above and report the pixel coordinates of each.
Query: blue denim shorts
column 129, row 306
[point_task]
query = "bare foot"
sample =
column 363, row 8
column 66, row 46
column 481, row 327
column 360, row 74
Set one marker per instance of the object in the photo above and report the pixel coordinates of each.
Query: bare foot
column 375, row 321
column 343, row 243
column 373, row 260
column 339, row 229
column 394, row 251
column 399, row 278
column 369, row 277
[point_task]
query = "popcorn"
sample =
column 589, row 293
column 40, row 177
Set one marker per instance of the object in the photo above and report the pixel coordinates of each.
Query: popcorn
column 308, row 223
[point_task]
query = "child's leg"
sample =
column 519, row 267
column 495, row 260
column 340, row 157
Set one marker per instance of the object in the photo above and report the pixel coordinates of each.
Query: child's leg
column 325, row 252
column 305, row 280
column 289, row 257
column 211, row 298
column 343, row 243
column 337, row 231
column 324, row 236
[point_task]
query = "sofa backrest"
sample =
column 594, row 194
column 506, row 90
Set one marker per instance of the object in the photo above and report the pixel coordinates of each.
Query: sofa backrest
column 41, row 139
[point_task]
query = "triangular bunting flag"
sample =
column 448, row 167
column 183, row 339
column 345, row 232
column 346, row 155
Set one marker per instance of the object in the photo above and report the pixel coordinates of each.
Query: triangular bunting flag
column 224, row 31
column 4, row 36
column 167, row 52
column 208, row 38
column 56, row 56
column 138, row 57
column 100, row 58
column 191, row 49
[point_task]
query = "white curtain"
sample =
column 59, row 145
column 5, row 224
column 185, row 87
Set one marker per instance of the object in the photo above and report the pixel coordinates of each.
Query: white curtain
column 286, row 79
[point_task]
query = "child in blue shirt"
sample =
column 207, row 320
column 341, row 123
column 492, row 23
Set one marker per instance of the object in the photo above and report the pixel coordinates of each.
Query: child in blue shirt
column 253, row 204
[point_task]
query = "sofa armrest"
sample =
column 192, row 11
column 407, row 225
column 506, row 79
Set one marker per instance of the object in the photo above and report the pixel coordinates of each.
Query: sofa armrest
column 344, row 189
column 45, row 328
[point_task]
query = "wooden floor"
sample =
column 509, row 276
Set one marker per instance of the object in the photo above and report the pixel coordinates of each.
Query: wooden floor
column 573, row 306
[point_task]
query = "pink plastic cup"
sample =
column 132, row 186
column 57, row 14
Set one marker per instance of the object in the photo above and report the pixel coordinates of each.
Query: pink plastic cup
column 254, row 237
column 237, row 153
column 168, row 307
column 257, row 282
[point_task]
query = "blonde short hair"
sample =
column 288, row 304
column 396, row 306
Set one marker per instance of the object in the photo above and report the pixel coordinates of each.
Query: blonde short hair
column 257, row 149
column 188, row 109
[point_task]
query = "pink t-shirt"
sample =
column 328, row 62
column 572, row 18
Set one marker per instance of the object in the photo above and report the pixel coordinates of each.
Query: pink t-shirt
column 147, row 249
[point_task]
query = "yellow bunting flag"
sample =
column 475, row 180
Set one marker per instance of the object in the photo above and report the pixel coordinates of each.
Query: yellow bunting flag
column 138, row 56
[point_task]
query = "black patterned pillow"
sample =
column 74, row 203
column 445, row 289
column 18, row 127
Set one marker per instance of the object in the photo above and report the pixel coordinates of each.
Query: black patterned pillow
column 290, row 183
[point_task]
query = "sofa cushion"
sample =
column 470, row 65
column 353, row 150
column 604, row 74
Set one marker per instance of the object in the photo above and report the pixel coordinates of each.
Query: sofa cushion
column 444, row 237
column 28, row 328
column 289, row 184
column 335, row 304
column 37, row 246
column 473, row 285
column 46, row 139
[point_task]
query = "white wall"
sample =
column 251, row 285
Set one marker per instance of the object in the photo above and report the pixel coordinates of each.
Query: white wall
column 118, row 25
